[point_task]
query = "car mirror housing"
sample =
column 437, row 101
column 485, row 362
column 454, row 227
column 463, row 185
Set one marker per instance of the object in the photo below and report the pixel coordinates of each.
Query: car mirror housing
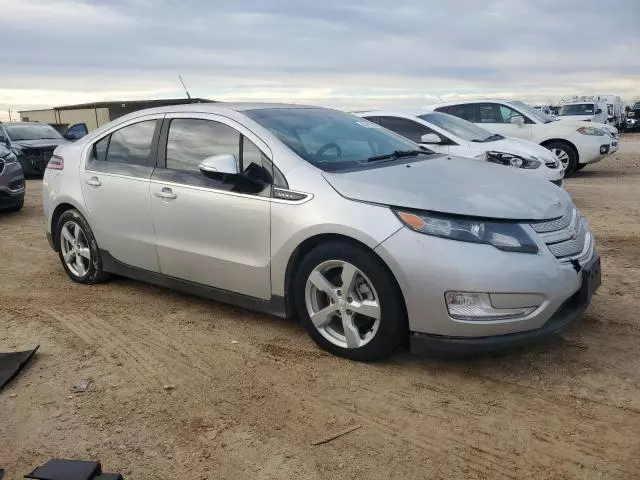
column 517, row 120
column 430, row 138
column 225, row 163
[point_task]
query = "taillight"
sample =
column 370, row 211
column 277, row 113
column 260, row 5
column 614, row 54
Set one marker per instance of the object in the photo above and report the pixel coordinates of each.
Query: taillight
column 56, row 163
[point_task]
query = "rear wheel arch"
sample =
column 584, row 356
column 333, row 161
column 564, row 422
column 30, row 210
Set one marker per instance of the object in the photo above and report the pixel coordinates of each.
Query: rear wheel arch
column 55, row 218
column 307, row 246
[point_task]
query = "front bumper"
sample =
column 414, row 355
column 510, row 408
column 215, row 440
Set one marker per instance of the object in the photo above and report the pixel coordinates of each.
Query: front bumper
column 12, row 185
column 426, row 267
column 591, row 148
column 566, row 315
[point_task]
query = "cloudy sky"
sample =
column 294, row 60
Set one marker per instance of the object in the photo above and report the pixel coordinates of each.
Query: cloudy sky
column 347, row 54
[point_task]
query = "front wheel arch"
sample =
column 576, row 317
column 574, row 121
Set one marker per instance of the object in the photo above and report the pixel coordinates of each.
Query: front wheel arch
column 306, row 247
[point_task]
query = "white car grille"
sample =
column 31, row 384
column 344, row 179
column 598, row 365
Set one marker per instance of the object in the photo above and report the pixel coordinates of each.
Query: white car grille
column 567, row 237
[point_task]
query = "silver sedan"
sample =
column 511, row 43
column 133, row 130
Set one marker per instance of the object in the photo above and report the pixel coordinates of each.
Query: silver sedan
column 368, row 239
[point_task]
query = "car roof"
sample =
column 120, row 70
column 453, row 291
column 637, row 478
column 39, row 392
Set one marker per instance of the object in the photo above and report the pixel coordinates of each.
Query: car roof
column 220, row 107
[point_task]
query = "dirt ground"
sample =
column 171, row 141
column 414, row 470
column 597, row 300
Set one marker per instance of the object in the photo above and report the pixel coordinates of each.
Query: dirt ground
column 251, row 392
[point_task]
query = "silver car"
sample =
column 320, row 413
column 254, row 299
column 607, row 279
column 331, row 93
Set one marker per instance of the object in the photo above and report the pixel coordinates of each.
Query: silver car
column 369, row 240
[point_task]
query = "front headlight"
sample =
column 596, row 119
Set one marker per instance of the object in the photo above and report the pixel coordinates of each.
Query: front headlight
column 510, row 237
column 598, row 132
column 10, row 157
column 512, row 160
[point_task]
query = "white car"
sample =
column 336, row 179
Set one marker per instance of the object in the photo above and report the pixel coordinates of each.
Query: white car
column 576, row 143
column 586, row 111
column 447, row 134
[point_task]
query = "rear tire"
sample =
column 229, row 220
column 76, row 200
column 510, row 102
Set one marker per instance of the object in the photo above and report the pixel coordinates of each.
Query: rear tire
column 566, row 154
column 363, row 320
column 78, row 249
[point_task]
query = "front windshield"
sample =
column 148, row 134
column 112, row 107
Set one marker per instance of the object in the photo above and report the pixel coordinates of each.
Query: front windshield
column 330, row 140
column 538, row 115
column 457, row 126
column 32, row 131
column 577, row 109
column 636, row 106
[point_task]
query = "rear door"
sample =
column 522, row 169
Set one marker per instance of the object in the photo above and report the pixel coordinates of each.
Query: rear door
column 115, row 186
column 213, row 231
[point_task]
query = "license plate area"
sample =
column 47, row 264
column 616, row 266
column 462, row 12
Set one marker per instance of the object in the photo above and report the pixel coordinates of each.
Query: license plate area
column 591, row 278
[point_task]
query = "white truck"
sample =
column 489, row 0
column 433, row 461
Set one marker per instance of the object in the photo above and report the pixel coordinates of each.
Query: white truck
column 611, row 106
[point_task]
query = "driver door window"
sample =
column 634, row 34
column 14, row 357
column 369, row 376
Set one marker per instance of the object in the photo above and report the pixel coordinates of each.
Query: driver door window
column 407, row 128
column 190, row 141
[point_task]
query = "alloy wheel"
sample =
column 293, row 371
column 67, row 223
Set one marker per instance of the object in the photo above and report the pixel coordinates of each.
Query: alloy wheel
column 342, row 304
column 75, row 249
column 562, row 156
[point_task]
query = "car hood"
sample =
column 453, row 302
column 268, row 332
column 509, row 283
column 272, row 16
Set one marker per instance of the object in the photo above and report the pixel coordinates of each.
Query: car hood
column 45, row 142
column 519, row 146
column 457, row 186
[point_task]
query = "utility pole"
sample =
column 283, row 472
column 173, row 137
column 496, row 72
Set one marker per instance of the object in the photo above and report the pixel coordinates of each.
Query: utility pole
column 10, row 115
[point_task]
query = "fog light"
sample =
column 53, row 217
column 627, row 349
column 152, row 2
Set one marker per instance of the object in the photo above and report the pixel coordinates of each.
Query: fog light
column 477, row 306
column 604, row 148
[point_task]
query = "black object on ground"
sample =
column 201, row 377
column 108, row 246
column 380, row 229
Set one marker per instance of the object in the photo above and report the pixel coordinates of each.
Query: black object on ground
column 1, row 473
column 11, row 363
column 58, row 469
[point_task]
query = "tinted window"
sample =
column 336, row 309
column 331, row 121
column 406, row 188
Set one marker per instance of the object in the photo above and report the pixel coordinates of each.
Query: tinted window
column 407, row 128
column 328, row 139
column 255, row 165
column 100, row 149
column 78, row 130
column 466, row 111
column 132, row 144
column 192, row 140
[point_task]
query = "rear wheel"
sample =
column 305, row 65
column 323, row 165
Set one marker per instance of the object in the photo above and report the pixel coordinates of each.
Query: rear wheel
column 78, row 249
column 566, row 155
column 349, row 303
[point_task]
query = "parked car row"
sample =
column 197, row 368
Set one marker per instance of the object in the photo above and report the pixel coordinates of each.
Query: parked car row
column 370, row 239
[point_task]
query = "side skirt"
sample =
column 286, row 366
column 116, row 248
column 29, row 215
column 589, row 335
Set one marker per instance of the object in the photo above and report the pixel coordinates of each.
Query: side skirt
column 275, row 306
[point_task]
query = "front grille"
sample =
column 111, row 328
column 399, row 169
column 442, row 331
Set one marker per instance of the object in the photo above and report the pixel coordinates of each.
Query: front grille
column 37, row 159
column 567, row 237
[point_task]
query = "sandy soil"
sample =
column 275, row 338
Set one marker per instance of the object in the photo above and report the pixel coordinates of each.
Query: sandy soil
column 251, row 392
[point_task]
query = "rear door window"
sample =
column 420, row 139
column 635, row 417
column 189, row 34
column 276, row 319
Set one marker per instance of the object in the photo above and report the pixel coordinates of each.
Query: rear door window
column 466, row 111
column 407, row 128
column 132, row 144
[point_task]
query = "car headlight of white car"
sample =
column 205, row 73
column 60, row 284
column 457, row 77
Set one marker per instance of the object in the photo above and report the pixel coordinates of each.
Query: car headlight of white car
column 598, row 132
column 510, row 160
column 507, row 236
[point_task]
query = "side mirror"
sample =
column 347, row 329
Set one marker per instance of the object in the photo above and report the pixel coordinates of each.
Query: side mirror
column 430, row 138
column 517, row 120
column 219, row 164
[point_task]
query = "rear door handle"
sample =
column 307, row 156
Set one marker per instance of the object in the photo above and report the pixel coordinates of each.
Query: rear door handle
column 166, row 194
column 94, row 182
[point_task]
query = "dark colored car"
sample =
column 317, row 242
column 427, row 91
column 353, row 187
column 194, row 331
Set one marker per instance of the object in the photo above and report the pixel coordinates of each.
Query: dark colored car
column 633, row 117
column 11, row 181
column 32, row 142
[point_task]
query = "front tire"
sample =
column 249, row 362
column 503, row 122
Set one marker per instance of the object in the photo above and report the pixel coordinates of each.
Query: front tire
column 567, row 156
column 78, row 249
column 349, row 303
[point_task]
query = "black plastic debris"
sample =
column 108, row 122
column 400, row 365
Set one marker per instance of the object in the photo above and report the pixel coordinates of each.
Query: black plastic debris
column 58, row 469
column 11, row 363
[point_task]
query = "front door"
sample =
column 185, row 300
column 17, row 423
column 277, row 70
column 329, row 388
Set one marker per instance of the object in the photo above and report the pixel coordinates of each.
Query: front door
column 213, row 231
column 115, row 187
column 499, row 118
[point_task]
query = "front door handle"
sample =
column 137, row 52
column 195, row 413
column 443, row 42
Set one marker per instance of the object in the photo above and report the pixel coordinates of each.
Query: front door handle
column 94, row 182
column 166, row 194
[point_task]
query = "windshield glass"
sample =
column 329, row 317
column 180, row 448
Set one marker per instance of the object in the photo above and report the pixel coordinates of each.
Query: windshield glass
column 636, row 106
column 328, row 139
column 577, row 109
column 32, row 131
column 457, row 126
column 532, row 112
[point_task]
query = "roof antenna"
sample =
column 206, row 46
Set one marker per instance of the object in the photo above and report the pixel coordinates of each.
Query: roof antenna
column 185, row 88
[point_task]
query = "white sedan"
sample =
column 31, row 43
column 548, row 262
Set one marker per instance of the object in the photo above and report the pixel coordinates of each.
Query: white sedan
column 447, row 134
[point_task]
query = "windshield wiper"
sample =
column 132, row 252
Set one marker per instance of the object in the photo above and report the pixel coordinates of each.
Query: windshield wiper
column 398, row 154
